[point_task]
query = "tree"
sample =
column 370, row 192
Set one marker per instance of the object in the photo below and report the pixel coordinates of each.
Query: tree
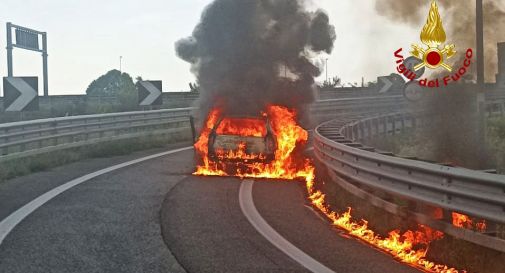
column 331, row 83
column 118, row 85
column 194, row 87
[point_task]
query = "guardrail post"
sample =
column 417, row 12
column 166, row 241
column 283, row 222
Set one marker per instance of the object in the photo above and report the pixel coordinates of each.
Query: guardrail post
column 377, row 130
column 393, row 125
column 54, row 132
column 369, row 128
column 361, row 128
column 385, row 125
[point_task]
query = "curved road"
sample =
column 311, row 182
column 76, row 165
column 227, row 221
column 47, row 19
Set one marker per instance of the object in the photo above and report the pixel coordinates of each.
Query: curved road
column 152, row 215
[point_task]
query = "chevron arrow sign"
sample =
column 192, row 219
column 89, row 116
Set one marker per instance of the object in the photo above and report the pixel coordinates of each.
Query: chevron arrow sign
column 150, row 93
column 21, row 94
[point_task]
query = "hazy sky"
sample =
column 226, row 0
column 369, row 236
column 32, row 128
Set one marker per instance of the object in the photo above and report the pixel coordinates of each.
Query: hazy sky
column 86, row 38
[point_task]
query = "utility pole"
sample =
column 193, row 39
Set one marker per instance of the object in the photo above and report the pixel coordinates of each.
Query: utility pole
column 120, row 64
column 481, row 99
column 326, row 70
column 480, row 44
column 44, row 64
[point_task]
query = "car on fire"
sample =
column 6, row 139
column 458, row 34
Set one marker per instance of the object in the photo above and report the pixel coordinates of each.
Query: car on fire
column 241, row 139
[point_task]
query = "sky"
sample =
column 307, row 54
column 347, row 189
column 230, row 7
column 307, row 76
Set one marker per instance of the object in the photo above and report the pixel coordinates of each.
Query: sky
column 87, row 38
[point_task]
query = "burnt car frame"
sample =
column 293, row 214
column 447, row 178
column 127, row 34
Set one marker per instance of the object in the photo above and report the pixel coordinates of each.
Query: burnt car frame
column 257, row 148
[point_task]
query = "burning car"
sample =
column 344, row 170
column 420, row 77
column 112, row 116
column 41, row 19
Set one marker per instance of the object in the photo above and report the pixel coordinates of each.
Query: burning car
column 238, row 139
column 261, row 146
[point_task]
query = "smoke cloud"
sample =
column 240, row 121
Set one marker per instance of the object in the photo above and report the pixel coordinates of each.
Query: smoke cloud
column 459, row 22
column 453, row 128
column 250, row 53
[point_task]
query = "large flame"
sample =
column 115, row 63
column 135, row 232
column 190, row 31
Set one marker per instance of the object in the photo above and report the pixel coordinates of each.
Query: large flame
column 433, row 33
column 242, row 127
column 409, row 247
column 288, row 136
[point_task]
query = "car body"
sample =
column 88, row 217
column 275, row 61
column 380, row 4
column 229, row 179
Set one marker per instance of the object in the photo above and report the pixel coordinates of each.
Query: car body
column 242, row 139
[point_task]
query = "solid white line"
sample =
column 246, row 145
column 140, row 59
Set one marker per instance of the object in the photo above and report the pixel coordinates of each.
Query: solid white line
column 250, row 212
column 8, row 224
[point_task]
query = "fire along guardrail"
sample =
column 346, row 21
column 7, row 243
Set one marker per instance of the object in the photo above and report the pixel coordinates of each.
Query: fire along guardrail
column 423, row 184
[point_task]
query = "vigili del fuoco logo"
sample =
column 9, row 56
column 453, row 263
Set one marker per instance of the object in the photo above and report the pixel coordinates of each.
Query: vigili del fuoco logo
column 435, row 54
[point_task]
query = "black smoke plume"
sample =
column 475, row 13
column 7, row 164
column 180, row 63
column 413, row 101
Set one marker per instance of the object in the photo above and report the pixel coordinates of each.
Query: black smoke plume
column 459, row 22
column 453, row 130
column 247, row 54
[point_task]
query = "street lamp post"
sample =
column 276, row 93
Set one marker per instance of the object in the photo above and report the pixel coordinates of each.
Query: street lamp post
column 481, row 99
column 326, row 70
column 480, row 43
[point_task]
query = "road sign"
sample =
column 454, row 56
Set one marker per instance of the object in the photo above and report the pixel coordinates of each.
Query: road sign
column 390, row 83
column 150, row 93
column 27, row 39
column 21, row 94
column 413, row 91
column 410, row 63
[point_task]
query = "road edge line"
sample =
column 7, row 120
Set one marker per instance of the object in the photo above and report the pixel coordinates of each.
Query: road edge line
column 11, row 221
column 253, row 216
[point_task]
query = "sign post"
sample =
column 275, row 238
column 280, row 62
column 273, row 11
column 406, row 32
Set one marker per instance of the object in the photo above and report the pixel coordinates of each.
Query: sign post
column 27, row 39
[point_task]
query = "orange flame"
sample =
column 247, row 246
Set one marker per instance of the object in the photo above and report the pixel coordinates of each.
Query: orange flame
column 240, row 153
column 288, row 136
column 242, row 127
column 410, row 247
column 464, row 221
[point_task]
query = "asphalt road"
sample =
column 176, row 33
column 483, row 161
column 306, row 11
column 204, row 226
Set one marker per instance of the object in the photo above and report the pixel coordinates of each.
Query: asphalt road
column 155, row 217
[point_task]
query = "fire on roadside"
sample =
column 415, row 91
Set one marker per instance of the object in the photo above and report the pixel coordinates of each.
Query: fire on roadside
column 464, row 221
column 409, row 247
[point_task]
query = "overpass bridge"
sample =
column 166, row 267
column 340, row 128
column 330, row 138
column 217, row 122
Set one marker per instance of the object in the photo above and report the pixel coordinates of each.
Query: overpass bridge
column 145, row 212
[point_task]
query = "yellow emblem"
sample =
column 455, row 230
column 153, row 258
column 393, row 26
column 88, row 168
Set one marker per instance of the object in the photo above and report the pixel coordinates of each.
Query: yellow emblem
column 433, row 36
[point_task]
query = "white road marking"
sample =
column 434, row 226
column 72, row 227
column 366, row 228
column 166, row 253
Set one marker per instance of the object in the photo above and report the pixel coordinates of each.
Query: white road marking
column 8, row 224
column 252, row 214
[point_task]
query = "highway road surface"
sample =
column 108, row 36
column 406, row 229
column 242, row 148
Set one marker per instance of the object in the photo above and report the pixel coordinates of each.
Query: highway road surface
column 146, row 213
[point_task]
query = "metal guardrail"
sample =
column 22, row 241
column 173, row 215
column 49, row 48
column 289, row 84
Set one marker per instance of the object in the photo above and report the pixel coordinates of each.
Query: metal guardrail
column 25, row 138
column 478, row 194
column 475, row 193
